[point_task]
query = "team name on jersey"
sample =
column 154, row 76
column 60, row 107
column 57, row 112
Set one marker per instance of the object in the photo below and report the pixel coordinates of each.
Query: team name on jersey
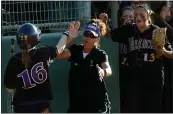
column 136, row 44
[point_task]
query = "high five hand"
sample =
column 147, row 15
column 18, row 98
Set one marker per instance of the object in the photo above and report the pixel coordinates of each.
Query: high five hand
column 74, row 29
column 104, row 17
column 101, row 72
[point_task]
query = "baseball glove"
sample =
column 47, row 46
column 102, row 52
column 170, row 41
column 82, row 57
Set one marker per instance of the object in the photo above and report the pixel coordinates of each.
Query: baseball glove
column 158, row 39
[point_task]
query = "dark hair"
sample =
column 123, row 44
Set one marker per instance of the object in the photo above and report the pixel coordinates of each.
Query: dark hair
column 124, row 4
column 158, row 5
column 146, row 7
column 125, row 8
column 139, row 2
column 25, row 50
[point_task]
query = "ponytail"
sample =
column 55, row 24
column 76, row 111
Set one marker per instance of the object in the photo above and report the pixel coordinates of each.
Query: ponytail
column 25, row 50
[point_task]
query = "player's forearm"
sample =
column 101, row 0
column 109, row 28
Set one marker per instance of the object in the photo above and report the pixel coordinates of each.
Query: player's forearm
column 69, row 40
column 168, row 54
column 64, row 41
column 62, row 44
column 107, row 69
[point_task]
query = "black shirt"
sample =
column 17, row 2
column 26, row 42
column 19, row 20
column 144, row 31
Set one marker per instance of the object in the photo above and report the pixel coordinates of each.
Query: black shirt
column 123, row 53
column 141, row 55
column 85, row 86
column 31, row 84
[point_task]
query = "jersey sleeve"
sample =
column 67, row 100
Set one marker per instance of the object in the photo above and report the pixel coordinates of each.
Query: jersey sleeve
column 103, row 57
column 121, row 34
column 51, row 51
column 10, row 75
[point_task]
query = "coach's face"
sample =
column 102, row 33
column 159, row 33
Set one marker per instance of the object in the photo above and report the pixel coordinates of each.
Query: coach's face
column 89, row 40
column 141, row 17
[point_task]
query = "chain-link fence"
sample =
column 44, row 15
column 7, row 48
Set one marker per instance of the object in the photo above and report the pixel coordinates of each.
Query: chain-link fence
column 49, row 16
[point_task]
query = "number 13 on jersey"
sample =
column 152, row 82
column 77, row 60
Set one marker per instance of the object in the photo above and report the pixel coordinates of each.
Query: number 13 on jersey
column 38, row 75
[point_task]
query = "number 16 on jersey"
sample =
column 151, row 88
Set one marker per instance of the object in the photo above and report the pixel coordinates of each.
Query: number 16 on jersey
column 38, row 75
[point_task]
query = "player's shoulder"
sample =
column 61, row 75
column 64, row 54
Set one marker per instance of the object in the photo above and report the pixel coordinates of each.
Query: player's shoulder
column 100, row 52
column 16, row 58
column 76, row 46
column 100, row 55
column 45, row 48
column 17, row 55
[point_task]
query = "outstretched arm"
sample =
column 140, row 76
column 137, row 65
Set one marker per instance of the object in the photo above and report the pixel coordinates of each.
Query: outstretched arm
column 66, row 39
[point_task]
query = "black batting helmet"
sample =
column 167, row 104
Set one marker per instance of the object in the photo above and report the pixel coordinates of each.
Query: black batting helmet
column 30, row 33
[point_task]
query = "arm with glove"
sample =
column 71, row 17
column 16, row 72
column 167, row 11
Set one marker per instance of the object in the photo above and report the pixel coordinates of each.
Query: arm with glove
column 159, row 41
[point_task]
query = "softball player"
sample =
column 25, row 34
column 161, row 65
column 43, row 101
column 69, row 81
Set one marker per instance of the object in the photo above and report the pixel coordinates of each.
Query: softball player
column 127, row 17
column 27, row 71
column 145, row 70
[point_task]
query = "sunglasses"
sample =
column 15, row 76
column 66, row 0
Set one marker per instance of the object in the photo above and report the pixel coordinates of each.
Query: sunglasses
column 89, row 34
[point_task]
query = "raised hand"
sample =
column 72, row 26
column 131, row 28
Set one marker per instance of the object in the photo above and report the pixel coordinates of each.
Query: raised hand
column 74, row 29
column 103, row 17
column 100, row 71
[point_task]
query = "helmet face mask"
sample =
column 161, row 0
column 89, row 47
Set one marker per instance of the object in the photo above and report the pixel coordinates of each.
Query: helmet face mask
column 29, row 35
column 32, row 41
